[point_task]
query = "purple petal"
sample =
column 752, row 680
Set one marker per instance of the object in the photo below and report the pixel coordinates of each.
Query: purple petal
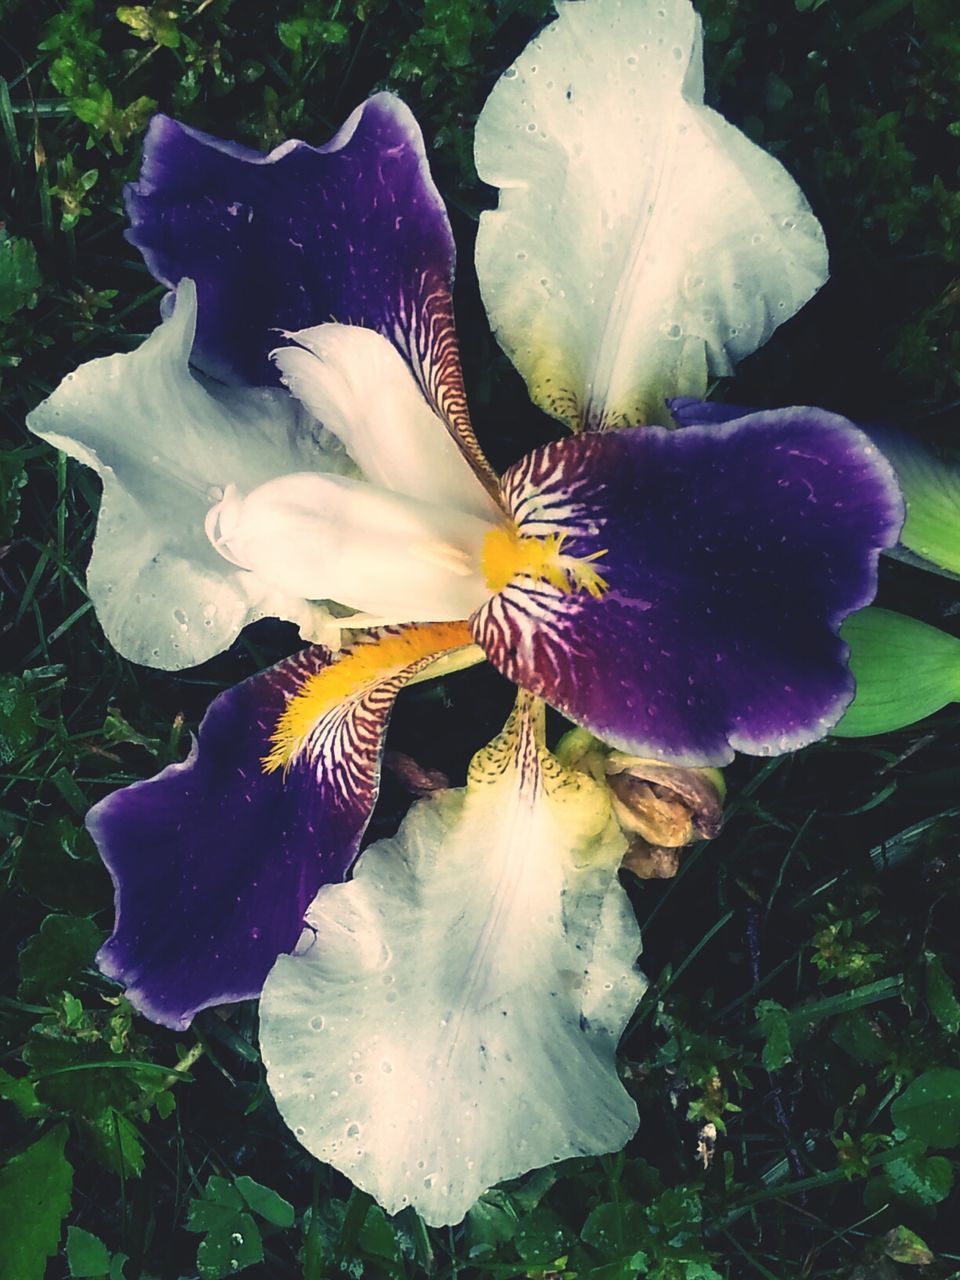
column 689, row 411
column 353, row 231
column 732, row 554
column 215, row 861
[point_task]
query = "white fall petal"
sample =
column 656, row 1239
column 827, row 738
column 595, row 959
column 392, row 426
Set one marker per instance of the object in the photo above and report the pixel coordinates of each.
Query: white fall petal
column 166, row 446
column 641, row 244
column 451, row 1018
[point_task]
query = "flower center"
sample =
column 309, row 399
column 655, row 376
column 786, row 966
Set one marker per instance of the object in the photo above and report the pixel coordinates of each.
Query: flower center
column 509, row 554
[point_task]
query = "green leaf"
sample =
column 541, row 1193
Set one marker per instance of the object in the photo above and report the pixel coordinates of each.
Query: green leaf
column 778, row 92
column 929, row 1108
column 931, row 488
column 73, row 1011
column 117, row 729
column 221, row 1203
column 322, row 1227
column 941, row 996
column 57, row 864
column 52, row 958
column 775, row 1025
column 541, row 1238
column 916, row 1179
column 377, row 1236
column 629, row 1268
column 34, row 1199
column 678, row 1213
column 355, row 1212
column 311, row 31
column 117, row 1265
column 166, row 1103
column 19, row 719
column 615, row 1229
column 117, row 1143
column 156, row 24
column 884, row 645
column 492, row 1221
column 903, row 1245
column 857, row 1035
column 20, row 276
column 21, row 1092
column 13, row 477
column 87, row 1255
column 229, row 1248
column 938, row 16
column 266, row 1203
column 232, row 1241
column 78, row 1071
column 930, row 837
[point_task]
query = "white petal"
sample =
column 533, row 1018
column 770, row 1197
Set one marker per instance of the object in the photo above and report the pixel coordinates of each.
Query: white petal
column 641, row 243
column 335, row 538
column 166, row 446
column 455, row 1021
column 358, row 385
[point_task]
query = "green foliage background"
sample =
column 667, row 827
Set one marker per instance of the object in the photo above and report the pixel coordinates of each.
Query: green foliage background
column 803, row 965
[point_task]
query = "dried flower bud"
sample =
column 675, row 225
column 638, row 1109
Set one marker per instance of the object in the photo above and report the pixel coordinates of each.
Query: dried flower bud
column 651, row 861
column 661, row 806
column 664, row 803
column 413, row 777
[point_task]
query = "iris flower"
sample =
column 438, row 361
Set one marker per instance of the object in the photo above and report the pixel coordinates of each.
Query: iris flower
column 294, row 440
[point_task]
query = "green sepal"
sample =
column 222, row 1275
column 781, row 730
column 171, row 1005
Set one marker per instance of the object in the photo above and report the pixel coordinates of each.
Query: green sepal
column 904, row 669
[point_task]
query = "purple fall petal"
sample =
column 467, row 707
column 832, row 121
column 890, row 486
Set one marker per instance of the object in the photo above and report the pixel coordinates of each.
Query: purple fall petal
column 732, row 553
column 215, row 862
column 353, row 231
column 690, row 411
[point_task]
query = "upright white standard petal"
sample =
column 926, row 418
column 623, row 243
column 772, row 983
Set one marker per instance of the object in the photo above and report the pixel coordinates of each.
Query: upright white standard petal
column 641, row 243
column 454, row 1020
column 167, row 447
column 359, row 386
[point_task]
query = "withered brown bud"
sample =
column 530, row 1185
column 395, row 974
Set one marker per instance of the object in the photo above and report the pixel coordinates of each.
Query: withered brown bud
column 665, row 804
column 662, row 807
column 413, row 776
column 651, row 861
